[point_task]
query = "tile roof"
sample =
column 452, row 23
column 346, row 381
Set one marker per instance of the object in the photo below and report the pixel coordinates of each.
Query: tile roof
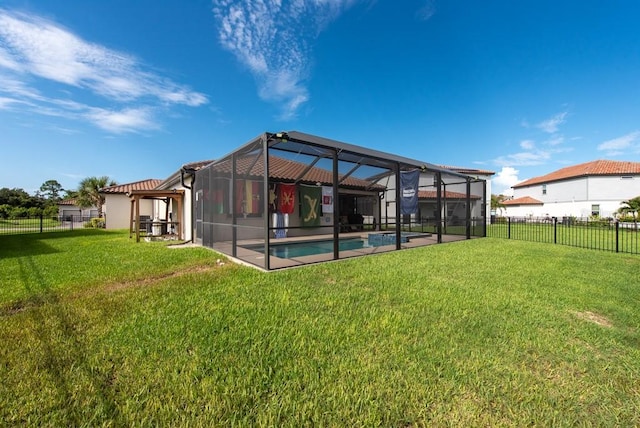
column 432, row 194
column 197, row 165
column 288, row 170
column 597, row 167
column 70, row 201
column 148, row 184
column 525, row 200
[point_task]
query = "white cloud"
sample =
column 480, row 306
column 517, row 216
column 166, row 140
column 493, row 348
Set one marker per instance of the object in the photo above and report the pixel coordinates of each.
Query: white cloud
column 523, row 159
column 273, row 39
column 527, row 144
column 551, row 125
column 555, row 140
column 33, row 49
column 618, row 146
column 126, row 120
column 504, row 179
column 426, row 11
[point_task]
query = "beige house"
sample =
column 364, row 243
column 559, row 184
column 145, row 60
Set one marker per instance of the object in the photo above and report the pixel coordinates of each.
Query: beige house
column 117, row 205
column 68, row 210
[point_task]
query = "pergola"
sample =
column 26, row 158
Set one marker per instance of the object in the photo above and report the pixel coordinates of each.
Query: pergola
column 136, row 195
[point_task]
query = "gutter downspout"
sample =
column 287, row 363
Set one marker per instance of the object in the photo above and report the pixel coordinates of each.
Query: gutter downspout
column 191, row 172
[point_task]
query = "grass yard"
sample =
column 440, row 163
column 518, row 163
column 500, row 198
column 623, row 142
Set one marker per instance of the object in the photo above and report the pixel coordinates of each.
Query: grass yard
column 96, row 330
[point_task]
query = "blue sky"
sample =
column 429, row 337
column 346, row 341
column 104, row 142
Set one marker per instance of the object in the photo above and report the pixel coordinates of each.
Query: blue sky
column 134, row 89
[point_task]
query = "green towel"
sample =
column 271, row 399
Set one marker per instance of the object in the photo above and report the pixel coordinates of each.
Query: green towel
column 311, row 197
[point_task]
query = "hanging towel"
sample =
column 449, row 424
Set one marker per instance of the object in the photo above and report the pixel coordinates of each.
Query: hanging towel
column 310, row 197
column 273, row 197
column 286, row 198
column 327, row 200
column 280, row 231
column 409, row 192
column 248, row 197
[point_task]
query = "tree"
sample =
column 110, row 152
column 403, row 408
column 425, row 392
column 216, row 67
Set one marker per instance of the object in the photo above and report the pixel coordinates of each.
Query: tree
column 496, row 203
column 70, row 194
column 15, row 197
column 51, row 190
column 89, row 192
column 630, row 206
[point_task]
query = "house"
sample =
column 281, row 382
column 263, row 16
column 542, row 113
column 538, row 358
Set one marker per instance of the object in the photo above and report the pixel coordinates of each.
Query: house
column 330, row 198
column 69, row 210
column 117, row 204
column 594, row 188
column 181, row 180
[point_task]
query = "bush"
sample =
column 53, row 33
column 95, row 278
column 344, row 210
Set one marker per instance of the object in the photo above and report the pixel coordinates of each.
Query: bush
column 50, row 211
column 95, row 223
column 18, row 212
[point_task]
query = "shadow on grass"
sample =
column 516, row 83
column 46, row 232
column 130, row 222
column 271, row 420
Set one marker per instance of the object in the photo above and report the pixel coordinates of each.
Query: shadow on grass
column 35, row 244
column 58, row 329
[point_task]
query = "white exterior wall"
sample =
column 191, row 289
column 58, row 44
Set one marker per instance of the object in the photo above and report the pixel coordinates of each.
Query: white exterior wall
column 576, row 197
column 524, row 211
column 117, row 209
column 187, row 208
column 76, row 210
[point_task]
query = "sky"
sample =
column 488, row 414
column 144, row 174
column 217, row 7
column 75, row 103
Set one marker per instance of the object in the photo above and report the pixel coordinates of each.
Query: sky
column 135, row 89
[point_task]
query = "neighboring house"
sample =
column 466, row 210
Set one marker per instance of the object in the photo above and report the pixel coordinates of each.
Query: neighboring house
column 68, row 209
column 117, row 205
column 525, row 206
column 594, row 188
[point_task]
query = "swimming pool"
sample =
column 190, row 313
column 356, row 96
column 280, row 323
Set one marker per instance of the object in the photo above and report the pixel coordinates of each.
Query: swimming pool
column 300, row 249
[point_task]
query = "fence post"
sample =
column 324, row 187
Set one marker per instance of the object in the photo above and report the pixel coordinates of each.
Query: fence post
column 508, row 227
column 40, row 222
column 555, row 230
column 617, row 232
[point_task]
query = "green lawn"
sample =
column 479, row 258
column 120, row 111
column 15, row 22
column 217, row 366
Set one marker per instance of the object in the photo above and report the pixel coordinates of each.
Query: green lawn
column 97, row 330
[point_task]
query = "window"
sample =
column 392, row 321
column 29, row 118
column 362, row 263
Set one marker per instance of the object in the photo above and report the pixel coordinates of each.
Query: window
column 544, row 189
column 595, row 210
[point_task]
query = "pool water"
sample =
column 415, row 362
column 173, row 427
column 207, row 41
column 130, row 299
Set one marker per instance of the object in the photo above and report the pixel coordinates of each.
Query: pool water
column 301, row 249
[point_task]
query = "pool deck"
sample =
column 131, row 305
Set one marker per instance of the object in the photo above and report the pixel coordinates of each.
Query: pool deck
column 247, row 256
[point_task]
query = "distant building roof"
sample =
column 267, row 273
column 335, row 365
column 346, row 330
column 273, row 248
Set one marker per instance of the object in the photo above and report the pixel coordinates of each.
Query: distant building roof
column 69, row 201
column 597, row 167
column 148, row 184
column 525, row 200
column 432, row 194
column 468, row 171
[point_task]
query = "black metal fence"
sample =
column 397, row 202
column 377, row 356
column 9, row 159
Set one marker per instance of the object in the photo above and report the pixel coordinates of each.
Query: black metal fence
column 42, row 224
column 595, row 234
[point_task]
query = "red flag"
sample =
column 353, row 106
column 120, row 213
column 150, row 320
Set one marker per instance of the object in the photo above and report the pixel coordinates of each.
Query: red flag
column 286, row 198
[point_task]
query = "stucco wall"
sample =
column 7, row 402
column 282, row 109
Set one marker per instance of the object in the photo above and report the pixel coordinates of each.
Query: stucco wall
column 576, row 197
column 117, row 209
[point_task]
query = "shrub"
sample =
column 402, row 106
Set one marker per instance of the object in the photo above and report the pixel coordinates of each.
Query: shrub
column 95, row 223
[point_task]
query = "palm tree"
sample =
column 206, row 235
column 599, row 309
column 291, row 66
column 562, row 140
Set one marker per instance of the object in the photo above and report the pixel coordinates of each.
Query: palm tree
column 496, row 203
column 631, row 206
column 89, row 192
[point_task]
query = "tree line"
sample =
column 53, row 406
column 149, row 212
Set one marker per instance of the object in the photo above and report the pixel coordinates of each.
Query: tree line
column 17, row 203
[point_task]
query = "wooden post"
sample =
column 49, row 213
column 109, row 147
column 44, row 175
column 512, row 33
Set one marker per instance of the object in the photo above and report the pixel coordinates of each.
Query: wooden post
column 136, row 200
